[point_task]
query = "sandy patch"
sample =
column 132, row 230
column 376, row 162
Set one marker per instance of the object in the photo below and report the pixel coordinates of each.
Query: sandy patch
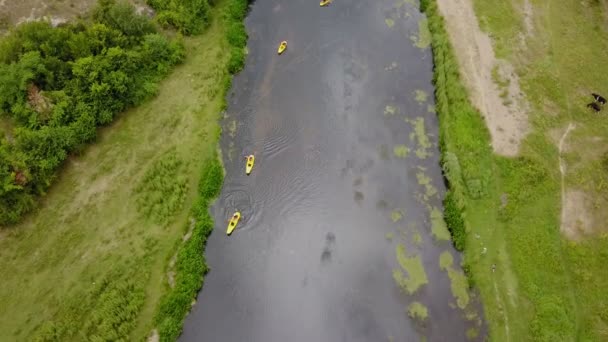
column 154, row 337
column 576, row 217
column 504, row 109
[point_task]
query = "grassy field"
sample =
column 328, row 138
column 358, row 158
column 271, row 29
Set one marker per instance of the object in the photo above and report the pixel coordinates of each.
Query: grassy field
column 92, row 261
column 543, row 286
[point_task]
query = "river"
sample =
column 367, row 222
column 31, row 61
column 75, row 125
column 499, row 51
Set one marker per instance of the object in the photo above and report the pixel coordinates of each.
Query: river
column 346, row 176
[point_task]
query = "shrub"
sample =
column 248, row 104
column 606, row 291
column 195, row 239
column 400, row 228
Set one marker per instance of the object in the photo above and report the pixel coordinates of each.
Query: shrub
column 57, row 84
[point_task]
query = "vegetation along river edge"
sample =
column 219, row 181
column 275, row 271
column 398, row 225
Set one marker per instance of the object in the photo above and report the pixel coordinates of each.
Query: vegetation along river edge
column 94, row 261
column 530, row 221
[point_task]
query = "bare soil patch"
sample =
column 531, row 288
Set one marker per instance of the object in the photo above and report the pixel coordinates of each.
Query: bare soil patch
column 576, row 218
column 504, row 109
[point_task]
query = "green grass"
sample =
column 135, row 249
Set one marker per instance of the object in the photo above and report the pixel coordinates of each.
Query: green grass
column 92, row 261
column 544, row 288
column 415, row 276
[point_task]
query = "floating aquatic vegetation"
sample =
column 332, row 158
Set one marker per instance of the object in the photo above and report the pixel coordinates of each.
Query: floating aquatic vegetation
column 425, row 181
column 420, row 96
column 401, row 151
column 418, row 311
column 396, row 215
column 416, row 275
column 390, row 110
column 438, row 227
column 458, row 281
column 423, row 39
column 389, row 22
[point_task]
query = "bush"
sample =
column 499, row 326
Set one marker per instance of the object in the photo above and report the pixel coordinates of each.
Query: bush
column 454, row 220
column 186, row 16
column 57, row 84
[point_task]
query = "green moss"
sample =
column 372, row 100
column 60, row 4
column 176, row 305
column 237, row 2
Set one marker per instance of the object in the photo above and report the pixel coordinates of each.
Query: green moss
column 415, row 276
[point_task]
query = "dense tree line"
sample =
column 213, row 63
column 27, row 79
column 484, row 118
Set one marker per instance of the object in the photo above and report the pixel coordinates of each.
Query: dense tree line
column 58, row 84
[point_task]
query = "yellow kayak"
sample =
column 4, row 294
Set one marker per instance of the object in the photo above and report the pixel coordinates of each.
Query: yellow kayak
column 282, row 47
column 233, row 221
column 325, row 2
column 250, row 162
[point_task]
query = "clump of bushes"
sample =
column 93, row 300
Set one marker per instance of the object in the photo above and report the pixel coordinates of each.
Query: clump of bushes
column 190, row 264
column 466, row 155
column 186, row 16
column 57, row 84
column 163, row 188
column 236, row 34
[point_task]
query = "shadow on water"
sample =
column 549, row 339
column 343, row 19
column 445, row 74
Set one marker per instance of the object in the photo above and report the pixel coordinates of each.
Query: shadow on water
column 346, row 172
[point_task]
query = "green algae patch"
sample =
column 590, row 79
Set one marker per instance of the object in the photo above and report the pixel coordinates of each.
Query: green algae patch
column 415, row 276
column 429, row 189
column 419, row 135
column 232, row 128
column 472, row 333
column 423, row 39
column 396, row 215
column 389, row 22
column 438, row 227
column 384, row 152
column 391, row 67
column 390, row 110
column 418, row 311
column 458, row 281
column 417, row 238
column 446, row 260
column 420, row 96
column 401, row 151
column 430, row 108
column 389, row 236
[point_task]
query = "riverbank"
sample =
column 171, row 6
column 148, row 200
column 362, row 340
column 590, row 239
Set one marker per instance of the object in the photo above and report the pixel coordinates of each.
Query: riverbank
column 531, row 224
column 119, row 236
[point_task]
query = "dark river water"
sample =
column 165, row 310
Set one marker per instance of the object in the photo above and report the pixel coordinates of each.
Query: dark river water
column 346, row 171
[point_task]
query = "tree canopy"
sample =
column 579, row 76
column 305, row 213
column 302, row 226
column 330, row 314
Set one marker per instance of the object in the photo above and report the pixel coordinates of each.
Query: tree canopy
column 58, row 84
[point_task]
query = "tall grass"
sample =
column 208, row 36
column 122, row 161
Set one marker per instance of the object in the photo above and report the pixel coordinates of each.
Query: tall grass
column 464, row 139
column 190, row 265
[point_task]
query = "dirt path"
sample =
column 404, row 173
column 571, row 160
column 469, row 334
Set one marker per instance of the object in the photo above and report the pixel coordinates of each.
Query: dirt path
column 575, row 217
column 503, row 109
